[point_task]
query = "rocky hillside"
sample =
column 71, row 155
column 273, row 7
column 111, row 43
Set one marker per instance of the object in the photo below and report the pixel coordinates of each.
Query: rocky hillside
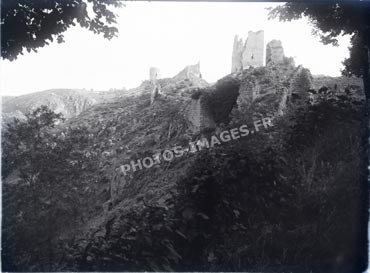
column 153, row 196
column 130, row 128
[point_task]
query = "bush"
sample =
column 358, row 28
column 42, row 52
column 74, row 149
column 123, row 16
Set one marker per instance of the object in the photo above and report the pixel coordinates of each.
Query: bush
column 51, row 191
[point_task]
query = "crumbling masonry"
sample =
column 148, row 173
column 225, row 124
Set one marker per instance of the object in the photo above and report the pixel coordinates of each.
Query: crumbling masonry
column 250, row 54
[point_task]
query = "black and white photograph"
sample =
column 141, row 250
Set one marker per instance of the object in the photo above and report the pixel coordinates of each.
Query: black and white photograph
column 185, row 136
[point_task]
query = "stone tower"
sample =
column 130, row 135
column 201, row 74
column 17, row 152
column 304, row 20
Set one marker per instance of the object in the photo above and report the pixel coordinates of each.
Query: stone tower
column 274, row 52
column 154, row 73
column 253, row 49
column 250, row 54
column 238, row 48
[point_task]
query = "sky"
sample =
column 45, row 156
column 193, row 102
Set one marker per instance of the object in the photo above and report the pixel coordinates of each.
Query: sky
column 167, row 35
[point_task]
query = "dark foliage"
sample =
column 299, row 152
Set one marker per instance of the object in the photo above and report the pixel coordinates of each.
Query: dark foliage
column 50, row 192
column 31, row 24
column 282, row 203
column 354, row 64
column 287, row 199
column 332, row 19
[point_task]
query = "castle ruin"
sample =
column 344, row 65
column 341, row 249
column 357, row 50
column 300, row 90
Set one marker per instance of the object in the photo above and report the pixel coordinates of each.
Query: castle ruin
column 250, row 54
column 236, row 64
column 154, row 73
column 253, row 49
column 274, row 52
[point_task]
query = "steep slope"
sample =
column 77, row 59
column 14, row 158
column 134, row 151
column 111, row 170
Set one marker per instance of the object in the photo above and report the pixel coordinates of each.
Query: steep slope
column 166, row 217
column 130, row 129
column 234, row 207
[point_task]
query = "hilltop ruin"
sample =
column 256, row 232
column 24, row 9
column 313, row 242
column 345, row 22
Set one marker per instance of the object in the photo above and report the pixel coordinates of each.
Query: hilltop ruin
column 274, row 52
column 251, row 53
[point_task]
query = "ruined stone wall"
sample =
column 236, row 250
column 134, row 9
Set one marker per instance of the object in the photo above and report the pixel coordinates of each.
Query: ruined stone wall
column 193, row 114
column 253, row 49
column 248, row 89
column 274, row 52
column 190, row 72
column 237, row 64
column 154, row 73
column 199, row 116
column 250, row 54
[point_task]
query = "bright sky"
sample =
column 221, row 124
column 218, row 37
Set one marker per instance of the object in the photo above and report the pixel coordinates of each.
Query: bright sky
column 166, row 35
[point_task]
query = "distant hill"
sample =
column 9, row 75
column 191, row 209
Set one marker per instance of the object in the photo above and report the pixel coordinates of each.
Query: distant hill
column 69, row 102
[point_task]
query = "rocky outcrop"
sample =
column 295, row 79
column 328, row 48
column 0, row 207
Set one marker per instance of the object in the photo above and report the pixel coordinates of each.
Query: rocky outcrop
column 250, row 54
column 268, row 91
